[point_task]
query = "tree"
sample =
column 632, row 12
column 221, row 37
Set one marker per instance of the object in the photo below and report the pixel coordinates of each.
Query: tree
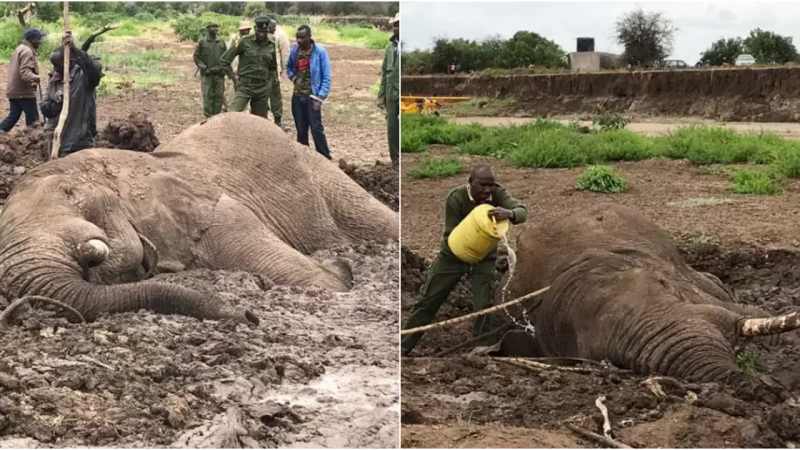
column 722, row 51
column 646, row 37
column 771, row 48
column 527, row 49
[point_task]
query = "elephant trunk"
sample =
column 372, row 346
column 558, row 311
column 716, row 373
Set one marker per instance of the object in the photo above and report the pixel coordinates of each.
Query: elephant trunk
column 64, row 283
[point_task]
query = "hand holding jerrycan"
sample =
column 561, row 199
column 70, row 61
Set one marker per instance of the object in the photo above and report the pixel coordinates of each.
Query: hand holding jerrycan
column 476, row 235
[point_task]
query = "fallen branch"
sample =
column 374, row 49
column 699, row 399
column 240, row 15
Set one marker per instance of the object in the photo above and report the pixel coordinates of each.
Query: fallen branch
column 5, row 317
column 596, row 438
column 534, row 366
column 89, row 359
column 455, row 320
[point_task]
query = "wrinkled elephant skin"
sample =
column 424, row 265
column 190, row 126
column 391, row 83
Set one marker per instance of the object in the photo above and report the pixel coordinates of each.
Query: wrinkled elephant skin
column 231, row 193
column 621, row 292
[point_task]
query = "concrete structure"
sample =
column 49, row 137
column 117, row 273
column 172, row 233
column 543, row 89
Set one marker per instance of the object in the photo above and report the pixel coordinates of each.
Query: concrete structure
column 592, row 61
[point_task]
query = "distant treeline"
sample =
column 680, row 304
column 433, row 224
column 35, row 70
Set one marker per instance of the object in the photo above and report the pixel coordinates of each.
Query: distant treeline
column 524, row 49
column 52, row 11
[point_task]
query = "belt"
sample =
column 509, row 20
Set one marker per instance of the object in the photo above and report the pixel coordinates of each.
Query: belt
column 248, row 80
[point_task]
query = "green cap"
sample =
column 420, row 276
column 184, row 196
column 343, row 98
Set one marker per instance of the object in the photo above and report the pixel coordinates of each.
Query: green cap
column 262, row 22
column 212, row 24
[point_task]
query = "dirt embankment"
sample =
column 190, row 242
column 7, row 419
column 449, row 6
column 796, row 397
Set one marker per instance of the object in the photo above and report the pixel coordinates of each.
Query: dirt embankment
column 463, row 399
column 755, row 95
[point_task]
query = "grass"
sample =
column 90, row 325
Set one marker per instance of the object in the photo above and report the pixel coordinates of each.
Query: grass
column 602, row 179
column 131, row 69
column 746, row 360
column 755, row 181
column 431, row 167
column 548, row 144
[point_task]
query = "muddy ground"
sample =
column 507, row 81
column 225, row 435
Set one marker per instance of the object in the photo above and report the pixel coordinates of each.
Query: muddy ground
column 755, row 95
column 320, row 371
column 466, row 401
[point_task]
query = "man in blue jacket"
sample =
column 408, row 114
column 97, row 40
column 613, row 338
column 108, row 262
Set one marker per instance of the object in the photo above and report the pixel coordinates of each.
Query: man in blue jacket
column 309, row 68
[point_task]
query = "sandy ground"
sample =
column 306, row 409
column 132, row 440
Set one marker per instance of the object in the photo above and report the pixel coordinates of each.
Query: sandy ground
column 320, row 370
column 750, row 242
column 653, row 126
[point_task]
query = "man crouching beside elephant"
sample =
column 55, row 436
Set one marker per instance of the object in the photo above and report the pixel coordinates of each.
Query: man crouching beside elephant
column 231, row 193
column 76, row 133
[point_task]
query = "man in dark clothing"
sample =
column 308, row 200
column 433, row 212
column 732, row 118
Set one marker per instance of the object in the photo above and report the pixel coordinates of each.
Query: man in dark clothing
column 389, row 93
column 257, row 63
column 207, row 56
column 447, row 270
column 96, row 61
column 23, row 80
column 309, row 68
column 84, row 78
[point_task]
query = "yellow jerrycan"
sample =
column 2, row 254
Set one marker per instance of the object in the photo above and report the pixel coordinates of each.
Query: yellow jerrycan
column 476, row 235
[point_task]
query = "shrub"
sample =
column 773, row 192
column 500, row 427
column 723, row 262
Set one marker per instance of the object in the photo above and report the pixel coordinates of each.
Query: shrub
column 436, row 168
column 758, row 182
column 609, row 121
column 412, row 142
column 191, row 28
column 618, row 145
column 549, row 149
column 602, row 179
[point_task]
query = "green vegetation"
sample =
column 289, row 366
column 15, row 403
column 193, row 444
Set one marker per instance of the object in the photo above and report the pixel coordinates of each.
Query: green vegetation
column 602, row 179
column 758, row 182
column 131, row 69
column 481, row 106
column 746, row 360
column 524, row 49
column 609, row 121
column 430, row 167
column 547, row 143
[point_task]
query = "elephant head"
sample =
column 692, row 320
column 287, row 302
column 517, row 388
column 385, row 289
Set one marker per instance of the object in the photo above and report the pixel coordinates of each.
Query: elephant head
column 86, row 251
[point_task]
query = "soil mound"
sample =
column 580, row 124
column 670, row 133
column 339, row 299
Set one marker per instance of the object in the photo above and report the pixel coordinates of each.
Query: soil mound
column 321, row 371
column 134, row 133
column 381, row 180
column 20, row 151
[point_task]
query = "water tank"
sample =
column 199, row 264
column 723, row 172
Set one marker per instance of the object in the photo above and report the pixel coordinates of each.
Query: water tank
column 585, row 44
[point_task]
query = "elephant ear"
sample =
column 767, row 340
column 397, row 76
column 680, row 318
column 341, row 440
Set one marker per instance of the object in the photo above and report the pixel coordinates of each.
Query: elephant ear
column 342, row 269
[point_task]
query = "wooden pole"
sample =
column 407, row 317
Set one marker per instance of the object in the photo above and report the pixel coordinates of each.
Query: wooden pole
column 62, row 119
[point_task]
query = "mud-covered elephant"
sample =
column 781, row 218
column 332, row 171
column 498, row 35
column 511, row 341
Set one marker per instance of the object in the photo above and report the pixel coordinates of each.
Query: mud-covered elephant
column 231, row 193
column 621, row 292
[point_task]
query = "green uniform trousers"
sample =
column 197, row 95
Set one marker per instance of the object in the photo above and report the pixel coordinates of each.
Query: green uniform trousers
column 213, row 88
column 256, row 94
column 443, row 276
column 276, row 101
column 393, row 128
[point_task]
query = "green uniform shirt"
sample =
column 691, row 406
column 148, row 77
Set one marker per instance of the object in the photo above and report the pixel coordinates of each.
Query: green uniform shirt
column 458, row 205
column 302, row 82
column 390, row 73
column 256, row 60
column 207, row 54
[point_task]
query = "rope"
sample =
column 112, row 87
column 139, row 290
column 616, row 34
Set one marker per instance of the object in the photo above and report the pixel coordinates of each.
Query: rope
column 483, row 312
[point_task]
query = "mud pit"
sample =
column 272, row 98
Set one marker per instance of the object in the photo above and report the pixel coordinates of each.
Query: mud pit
column 469, row 401
column 320, row 371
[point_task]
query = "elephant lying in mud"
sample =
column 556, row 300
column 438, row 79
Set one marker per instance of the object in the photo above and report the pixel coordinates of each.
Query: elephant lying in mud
column 621, row 292
column 232, row 193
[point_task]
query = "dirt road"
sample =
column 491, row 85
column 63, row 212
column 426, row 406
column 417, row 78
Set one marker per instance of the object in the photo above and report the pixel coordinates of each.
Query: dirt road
column 656, row 126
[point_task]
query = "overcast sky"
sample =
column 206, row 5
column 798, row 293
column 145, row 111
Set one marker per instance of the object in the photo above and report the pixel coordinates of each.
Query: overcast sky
column 699, row 24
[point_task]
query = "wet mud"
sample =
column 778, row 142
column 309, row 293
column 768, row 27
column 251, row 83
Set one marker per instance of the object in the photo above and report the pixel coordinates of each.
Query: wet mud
column 135, row 132
column 381, row 180
column 320, row 370
column 468, row 397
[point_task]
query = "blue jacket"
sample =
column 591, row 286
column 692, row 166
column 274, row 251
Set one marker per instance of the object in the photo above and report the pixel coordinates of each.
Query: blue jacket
column 320, row 66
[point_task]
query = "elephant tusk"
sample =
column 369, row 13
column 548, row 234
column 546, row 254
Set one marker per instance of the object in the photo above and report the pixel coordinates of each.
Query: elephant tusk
column 771, row 325
column 150, row 256
column 92, row 251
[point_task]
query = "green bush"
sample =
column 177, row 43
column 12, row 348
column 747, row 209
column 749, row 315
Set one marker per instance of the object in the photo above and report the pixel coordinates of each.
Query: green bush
column 602, row 179
column 430, row 167
column 758, row 182
column 192, row 28
column 609, row 121
column 618, row 145
column 412, row 142
column 549, row 149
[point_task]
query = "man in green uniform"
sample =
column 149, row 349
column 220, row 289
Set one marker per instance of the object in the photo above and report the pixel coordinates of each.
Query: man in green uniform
column 447, row 270
column 207, row 56
column 257, row 63
column 389, row 94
